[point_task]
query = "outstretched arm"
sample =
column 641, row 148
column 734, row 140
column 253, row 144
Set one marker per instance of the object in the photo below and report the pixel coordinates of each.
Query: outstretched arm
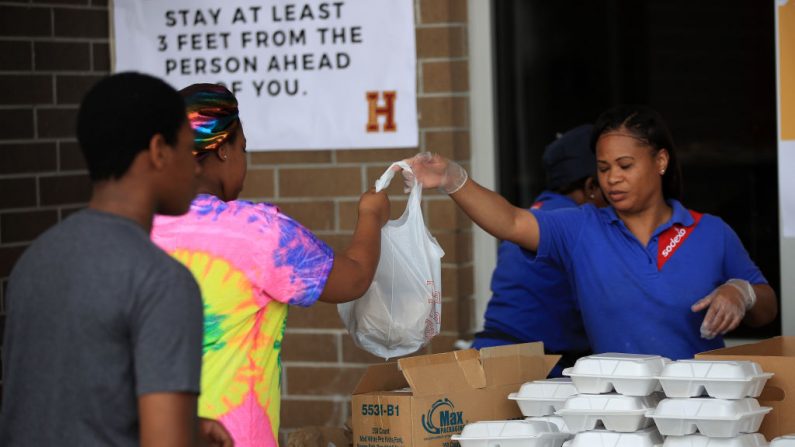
column 486, row 208
column 353, row 269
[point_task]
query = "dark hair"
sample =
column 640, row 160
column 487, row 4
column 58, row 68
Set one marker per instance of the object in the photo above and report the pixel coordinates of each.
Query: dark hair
column 647, row 125
column 118, row 118
column 214, row 116
column 572, row 186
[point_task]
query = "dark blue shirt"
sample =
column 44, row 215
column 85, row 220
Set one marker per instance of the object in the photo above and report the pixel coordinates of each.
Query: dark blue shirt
column 637, row 299
column 532, row 301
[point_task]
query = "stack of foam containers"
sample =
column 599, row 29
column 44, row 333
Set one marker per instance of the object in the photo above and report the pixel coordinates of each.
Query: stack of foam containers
column 523, row 433
column 615, row 392
column 538, row 401
column 711, row 404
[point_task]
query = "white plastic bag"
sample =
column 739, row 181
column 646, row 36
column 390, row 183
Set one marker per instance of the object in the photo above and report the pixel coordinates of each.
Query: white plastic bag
column 401, row 311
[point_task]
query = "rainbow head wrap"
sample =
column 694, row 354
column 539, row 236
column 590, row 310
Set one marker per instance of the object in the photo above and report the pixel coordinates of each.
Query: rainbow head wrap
column 212, row 111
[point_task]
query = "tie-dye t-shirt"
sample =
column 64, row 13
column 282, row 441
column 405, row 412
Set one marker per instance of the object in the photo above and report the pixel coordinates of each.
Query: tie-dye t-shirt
column 250, row 261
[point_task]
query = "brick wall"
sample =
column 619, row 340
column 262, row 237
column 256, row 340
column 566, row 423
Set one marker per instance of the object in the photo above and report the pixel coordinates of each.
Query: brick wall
column 52, row 51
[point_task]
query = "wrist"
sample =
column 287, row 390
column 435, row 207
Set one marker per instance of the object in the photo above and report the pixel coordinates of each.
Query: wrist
column 746, row 291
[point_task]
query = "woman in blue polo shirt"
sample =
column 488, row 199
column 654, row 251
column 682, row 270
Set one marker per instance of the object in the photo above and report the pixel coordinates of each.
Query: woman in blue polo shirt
column 535, row 302
column 650, row 275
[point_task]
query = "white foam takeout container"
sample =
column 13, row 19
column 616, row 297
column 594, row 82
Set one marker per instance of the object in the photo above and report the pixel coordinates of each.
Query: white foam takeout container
column 783, row 441
column 603, row 438
column 720, row 418
column 629, row 374
column 543, row 397
column 522, row 433
column 744, row 440
column 616, row 412
column 557, row 420
column 715, row 378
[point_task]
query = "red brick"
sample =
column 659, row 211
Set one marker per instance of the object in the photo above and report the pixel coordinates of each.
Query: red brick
column 62, row 2
column 21, row 158
column 354, row 354
column 24, row 21
column 319, row 381
column 450, row 316
column 25, row 89
column 62, row 55
column 445, row 215
column 449, row 281
column 303, row 413
column 320, row 182
column 309, row 347
column 288, row 157
column 80, row 22
column 56, row 123
column 319, row 316
column 17, row 123
column 314, row 215
column 445, row 76
column 258, row 183
column 444, row 11
column 17, row 193
column 448, row 111
column 9, row 257
column 26, row 226
column 387, row 156
column 447, row 41
column 451, row 144
column 71, row 157
column 70, row 89
column 101, row 52
column 16, row 55
column 443, row 343
column 349, row 211
column 65, row 189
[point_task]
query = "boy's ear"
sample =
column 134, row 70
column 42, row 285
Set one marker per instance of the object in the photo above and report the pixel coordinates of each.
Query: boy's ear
column 159, row 151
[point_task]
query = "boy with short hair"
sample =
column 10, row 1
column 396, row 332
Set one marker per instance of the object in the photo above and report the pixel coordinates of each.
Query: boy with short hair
column 104, row 330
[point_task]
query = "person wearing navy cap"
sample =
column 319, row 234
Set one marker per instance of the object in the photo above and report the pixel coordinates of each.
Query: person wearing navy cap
column 533, row 301
column 650, row 276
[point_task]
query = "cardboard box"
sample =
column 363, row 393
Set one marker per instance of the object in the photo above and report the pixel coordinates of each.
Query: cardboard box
column 424, row 400
column 776, row 355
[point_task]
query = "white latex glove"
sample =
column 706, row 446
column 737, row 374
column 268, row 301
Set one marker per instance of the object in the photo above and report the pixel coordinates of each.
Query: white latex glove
column 727, row 307
column 435, row 171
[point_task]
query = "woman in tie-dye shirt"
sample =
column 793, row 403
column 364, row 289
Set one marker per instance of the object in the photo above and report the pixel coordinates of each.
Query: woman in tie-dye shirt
column 251, row 262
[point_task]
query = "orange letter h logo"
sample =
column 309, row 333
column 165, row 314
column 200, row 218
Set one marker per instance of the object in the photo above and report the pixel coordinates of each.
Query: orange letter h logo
column 387, row 110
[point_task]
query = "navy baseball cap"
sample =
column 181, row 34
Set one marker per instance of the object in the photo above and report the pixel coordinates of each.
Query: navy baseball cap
column 569, row 158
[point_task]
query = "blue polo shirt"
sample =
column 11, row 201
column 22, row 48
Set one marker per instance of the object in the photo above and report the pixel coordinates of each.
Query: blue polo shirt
column 637, row 299
column 533, row 301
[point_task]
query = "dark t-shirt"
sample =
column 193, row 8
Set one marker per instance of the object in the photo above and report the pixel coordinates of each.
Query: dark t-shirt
column 97, row 316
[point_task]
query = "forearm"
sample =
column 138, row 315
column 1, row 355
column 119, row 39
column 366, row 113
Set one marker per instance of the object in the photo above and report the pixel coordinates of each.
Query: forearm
column 765, row 309
column 497, row 216
column 354, row 268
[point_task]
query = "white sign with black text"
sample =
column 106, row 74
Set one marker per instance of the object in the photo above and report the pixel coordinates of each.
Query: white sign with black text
column 307, row 75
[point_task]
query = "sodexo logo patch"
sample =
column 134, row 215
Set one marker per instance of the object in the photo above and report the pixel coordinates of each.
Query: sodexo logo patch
column 442, row 418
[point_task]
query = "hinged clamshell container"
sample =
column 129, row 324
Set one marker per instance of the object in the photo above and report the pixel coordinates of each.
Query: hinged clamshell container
column 629, row 374
column 649, row 437
column 721, row 418
column 723, row 379
column 744, row 440
column 557, row 420
column 616, row 412
column 543, row 397
column 521, row 433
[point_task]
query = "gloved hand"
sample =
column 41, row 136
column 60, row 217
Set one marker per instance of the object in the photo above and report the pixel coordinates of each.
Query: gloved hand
column 727, row 307
column 435, row 171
